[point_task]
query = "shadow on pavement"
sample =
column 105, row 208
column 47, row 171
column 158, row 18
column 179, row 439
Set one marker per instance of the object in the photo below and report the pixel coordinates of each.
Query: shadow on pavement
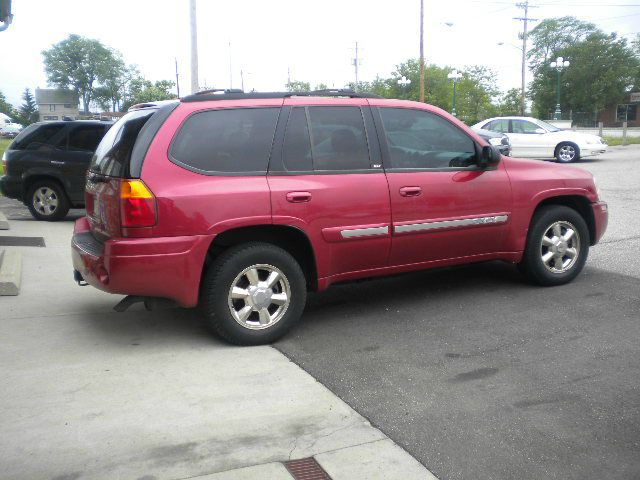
column 480, row 375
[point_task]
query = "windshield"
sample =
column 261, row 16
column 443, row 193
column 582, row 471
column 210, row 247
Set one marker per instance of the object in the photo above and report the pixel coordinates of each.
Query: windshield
column 548, row 126
column 114, row 152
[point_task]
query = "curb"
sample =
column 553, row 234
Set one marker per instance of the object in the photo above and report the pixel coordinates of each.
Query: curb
column 10, row 272
column 4, row 223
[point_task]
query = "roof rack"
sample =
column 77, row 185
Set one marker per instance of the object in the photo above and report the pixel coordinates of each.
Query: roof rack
column 236, row 94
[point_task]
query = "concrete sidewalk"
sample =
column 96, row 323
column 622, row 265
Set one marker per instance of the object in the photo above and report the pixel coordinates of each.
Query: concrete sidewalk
column 90, row 393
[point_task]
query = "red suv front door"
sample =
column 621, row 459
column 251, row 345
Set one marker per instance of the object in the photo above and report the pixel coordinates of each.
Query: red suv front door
column 443, row 205
column 326, row 178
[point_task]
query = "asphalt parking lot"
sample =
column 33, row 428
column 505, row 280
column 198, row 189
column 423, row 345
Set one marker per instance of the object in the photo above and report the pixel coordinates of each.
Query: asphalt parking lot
column 481, row 376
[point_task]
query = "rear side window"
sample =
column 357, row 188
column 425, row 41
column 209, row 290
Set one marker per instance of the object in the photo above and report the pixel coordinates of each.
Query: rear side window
column 226, row 141
column 35, row 137
column 419, row 139
column 85, row 138
column 500, row 125
column 114, row 151
column 326, row 139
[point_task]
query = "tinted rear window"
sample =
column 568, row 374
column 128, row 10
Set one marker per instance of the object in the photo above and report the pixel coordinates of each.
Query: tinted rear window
column 35, row 137
column 333, row 139
column 85, row 138
column 114, row 151
column 226, row 141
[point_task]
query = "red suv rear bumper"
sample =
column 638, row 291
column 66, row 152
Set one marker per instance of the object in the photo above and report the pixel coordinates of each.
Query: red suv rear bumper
column 166, row 267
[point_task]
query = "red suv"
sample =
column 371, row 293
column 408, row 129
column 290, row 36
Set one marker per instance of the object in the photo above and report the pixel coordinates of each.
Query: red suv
column 241, row 203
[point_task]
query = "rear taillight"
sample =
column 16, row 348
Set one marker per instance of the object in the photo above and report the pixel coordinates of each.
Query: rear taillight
column 137, row 205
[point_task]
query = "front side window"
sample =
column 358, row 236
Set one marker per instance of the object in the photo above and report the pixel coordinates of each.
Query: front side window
column 226, row 140
column 419, row 139
column 326, row 139
column 522, row 126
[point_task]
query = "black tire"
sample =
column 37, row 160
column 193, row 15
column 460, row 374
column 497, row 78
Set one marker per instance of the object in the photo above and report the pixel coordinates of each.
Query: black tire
column 567, row 152
column 52, row 192
column 226, row 271
column 533, row 265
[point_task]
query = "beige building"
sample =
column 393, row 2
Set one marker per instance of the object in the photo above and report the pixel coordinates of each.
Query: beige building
column 56, row 104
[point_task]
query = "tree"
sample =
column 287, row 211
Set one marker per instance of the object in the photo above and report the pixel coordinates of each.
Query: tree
column 554, row 34
column 79, row 63
column 6, row 107
column 509, row 103
column 28, row 111
column 298, row 86
column 143, row 91
column 603, row 69
column 113, row 86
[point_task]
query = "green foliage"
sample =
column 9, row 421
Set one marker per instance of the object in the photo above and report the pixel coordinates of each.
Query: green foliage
column 143, row 91
column 298, row 86
column 554, row 34
column 111, row 92
column 6, row 107
column 509, row 103
column 28, row 111
column 79, row 63
column 4, row 143
column 603, row 69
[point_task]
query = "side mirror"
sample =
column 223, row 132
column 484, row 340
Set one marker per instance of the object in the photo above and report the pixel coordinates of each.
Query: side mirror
column 489, row 156
column 540, row 130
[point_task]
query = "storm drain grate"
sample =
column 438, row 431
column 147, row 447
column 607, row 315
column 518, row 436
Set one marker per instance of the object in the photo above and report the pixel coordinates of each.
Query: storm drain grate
column 7, row 241
column 306, row 469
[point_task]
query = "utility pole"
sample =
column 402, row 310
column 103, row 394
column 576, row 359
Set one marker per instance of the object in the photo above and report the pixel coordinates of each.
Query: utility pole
column 194, row 46
column 177, row 78
column 356, row 62
column 422, row 50
column 230, row 67
column 525, row 20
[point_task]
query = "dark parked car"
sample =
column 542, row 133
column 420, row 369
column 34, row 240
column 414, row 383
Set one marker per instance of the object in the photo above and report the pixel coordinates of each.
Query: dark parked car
column 496, row 139
column 46, row 164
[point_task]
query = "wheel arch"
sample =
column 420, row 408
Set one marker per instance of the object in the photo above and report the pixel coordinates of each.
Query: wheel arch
column 291, row 239
column 29, row 181
column 578, row 203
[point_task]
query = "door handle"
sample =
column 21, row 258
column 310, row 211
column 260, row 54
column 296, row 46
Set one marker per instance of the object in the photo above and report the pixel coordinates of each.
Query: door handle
column 410, row 191
column 298, row 197
column 57, row 162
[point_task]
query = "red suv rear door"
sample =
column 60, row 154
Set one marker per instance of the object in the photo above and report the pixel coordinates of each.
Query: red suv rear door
column 326, row 178
column 443, row 205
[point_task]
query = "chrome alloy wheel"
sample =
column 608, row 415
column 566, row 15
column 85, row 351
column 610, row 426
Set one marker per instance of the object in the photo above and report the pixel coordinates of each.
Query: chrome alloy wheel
column 567, row 153
column 259, row 297
column 560, row 247
column 45, row 201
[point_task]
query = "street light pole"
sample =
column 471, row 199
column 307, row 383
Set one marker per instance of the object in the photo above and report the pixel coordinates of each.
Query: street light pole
column 559, row 64
column 455, row 75
column 404, row 82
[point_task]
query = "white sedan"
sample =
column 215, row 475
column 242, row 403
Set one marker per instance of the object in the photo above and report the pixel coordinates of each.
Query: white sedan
column 534, row 138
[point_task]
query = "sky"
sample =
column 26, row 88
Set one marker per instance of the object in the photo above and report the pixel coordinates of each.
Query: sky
column 269, row 40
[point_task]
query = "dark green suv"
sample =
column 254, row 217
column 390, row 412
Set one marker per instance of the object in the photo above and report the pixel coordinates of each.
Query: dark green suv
column 46, row 164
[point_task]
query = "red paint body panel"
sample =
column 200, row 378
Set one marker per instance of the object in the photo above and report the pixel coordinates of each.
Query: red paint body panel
column 167, row 267
column 337, row 202
column 448, row 196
